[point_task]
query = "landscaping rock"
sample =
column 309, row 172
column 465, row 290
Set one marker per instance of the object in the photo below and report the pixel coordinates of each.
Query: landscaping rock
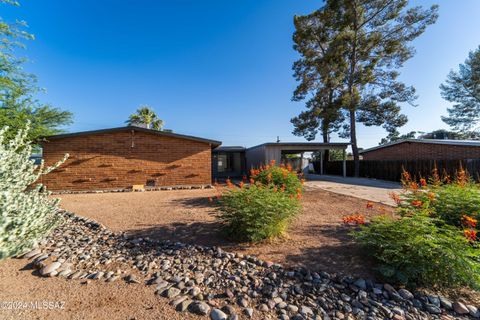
column 460, row 308
column 217, row 314
column 200, row 308
column 45, row 271
column 197, row 278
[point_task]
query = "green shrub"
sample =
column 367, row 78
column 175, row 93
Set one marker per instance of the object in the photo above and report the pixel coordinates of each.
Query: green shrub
column 26, row 212
column 280, row 176
column 452, row 201
column 257, row 212
column 420, row 250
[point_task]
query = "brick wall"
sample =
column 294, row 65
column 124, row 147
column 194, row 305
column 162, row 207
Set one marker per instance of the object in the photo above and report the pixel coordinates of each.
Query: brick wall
column 120, row 159
column 416, row 151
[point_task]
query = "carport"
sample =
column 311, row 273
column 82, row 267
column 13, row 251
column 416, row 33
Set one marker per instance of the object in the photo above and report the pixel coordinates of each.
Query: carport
column 264, row 153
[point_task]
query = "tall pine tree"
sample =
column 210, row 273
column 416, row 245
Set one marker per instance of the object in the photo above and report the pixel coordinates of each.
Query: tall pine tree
column 362, row 44
column 463, row 89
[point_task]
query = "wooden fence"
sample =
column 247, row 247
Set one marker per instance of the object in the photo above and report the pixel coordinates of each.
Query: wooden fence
column 392, row 169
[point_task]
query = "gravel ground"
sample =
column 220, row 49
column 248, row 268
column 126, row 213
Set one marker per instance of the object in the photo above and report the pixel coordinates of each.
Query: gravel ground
column 116, row 300
column 317, row 239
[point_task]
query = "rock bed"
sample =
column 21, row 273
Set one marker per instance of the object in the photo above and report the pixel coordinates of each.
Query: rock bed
column 209, row 281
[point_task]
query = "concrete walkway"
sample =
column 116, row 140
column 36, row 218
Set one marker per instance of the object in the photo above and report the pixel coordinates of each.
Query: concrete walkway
column 368, row 189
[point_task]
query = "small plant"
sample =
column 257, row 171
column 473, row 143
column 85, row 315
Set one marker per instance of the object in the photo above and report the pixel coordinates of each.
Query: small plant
column 26, row 212
column 257, row 212
column 281, row 176
column 420, row 250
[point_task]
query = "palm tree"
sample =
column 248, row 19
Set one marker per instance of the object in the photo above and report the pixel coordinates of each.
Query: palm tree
column 145, row 117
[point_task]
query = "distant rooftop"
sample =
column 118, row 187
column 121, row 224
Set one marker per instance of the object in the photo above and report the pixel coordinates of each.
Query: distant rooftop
column 471, row 143
column 303, row 144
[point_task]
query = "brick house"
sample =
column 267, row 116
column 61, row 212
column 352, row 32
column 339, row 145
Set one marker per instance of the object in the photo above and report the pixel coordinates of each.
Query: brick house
column 118, row 158
column 424, row 149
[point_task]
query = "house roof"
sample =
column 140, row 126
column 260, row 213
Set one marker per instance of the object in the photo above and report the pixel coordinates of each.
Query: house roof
column 213, row 143
column 303, row 144
column 229, row 149
column 468, row 143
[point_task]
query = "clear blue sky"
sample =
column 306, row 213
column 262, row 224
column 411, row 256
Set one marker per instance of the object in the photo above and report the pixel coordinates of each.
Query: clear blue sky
column 217, row 69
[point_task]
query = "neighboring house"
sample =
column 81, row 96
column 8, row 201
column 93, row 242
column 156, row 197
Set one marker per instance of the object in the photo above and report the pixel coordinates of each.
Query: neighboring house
column 424, row 149
column 118, row 158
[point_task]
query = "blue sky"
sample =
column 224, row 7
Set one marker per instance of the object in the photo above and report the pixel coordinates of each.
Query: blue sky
column 217, row 69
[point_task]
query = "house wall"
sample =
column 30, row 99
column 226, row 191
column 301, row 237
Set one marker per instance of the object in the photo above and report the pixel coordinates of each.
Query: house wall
column 121, row 159
column 255, row 157
column 416, row 151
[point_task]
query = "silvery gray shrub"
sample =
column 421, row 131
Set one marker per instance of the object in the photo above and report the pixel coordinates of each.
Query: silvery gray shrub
column 27, row 213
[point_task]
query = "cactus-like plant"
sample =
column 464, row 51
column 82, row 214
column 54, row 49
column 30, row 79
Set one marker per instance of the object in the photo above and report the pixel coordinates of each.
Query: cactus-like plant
column 27, row 213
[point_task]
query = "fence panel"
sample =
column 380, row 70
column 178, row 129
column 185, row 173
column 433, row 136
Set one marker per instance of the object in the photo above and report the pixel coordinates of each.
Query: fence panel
column 392, row 169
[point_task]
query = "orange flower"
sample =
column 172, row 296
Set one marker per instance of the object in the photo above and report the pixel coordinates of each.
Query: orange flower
column 241, row 184
column 269, row 177
column 423, row 182
column 272, row 162
column 471, row 235
column 417, row 203
column 289, row 167
column 354, row 219
column 252, row 181
column 299, row 196
column 369, row 205
column 469, row 221
column 413, row 186
column 302, row 181
column 395, row 197
column 431, row 196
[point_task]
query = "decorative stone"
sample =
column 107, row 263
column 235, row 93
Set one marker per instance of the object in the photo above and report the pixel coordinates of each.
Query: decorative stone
column 200, row 308
column 50, row 268
column 460, row 308
column 217, row 314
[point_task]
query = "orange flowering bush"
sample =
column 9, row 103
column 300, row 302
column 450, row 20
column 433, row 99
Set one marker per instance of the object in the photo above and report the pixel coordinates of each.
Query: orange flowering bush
column 257, row 212
column 283, row 177
column 264, row 208
column 354, row 219
column 446, row 198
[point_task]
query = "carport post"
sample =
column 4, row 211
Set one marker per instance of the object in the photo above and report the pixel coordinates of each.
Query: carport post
column 321, row 162
column 344, row 163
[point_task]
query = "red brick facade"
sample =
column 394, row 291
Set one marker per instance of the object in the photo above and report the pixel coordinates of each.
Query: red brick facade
column 410, row 150
column 120, row 159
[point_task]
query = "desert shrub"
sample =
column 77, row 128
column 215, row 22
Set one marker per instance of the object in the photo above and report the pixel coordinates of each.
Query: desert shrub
column 26, row 212
column 447, row 201
column 283, row 177
column 257, row 212
column 453, row 201
column 420, row 250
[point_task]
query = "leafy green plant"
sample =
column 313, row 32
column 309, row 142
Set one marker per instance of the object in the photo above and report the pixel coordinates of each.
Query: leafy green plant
column 257, row 212
column 453, row 201
column 281, row 176
column 420, row 250
column 26, row 212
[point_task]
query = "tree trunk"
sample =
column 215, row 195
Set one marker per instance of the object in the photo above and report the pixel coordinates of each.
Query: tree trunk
column 326, row 139
column 353, row 140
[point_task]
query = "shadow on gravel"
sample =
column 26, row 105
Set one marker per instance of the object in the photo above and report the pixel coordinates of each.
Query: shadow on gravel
column 201, row 233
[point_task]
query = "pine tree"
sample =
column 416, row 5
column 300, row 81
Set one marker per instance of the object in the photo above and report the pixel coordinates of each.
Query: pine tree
column 27, row 213
column 463, row 89
column 362, row 43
